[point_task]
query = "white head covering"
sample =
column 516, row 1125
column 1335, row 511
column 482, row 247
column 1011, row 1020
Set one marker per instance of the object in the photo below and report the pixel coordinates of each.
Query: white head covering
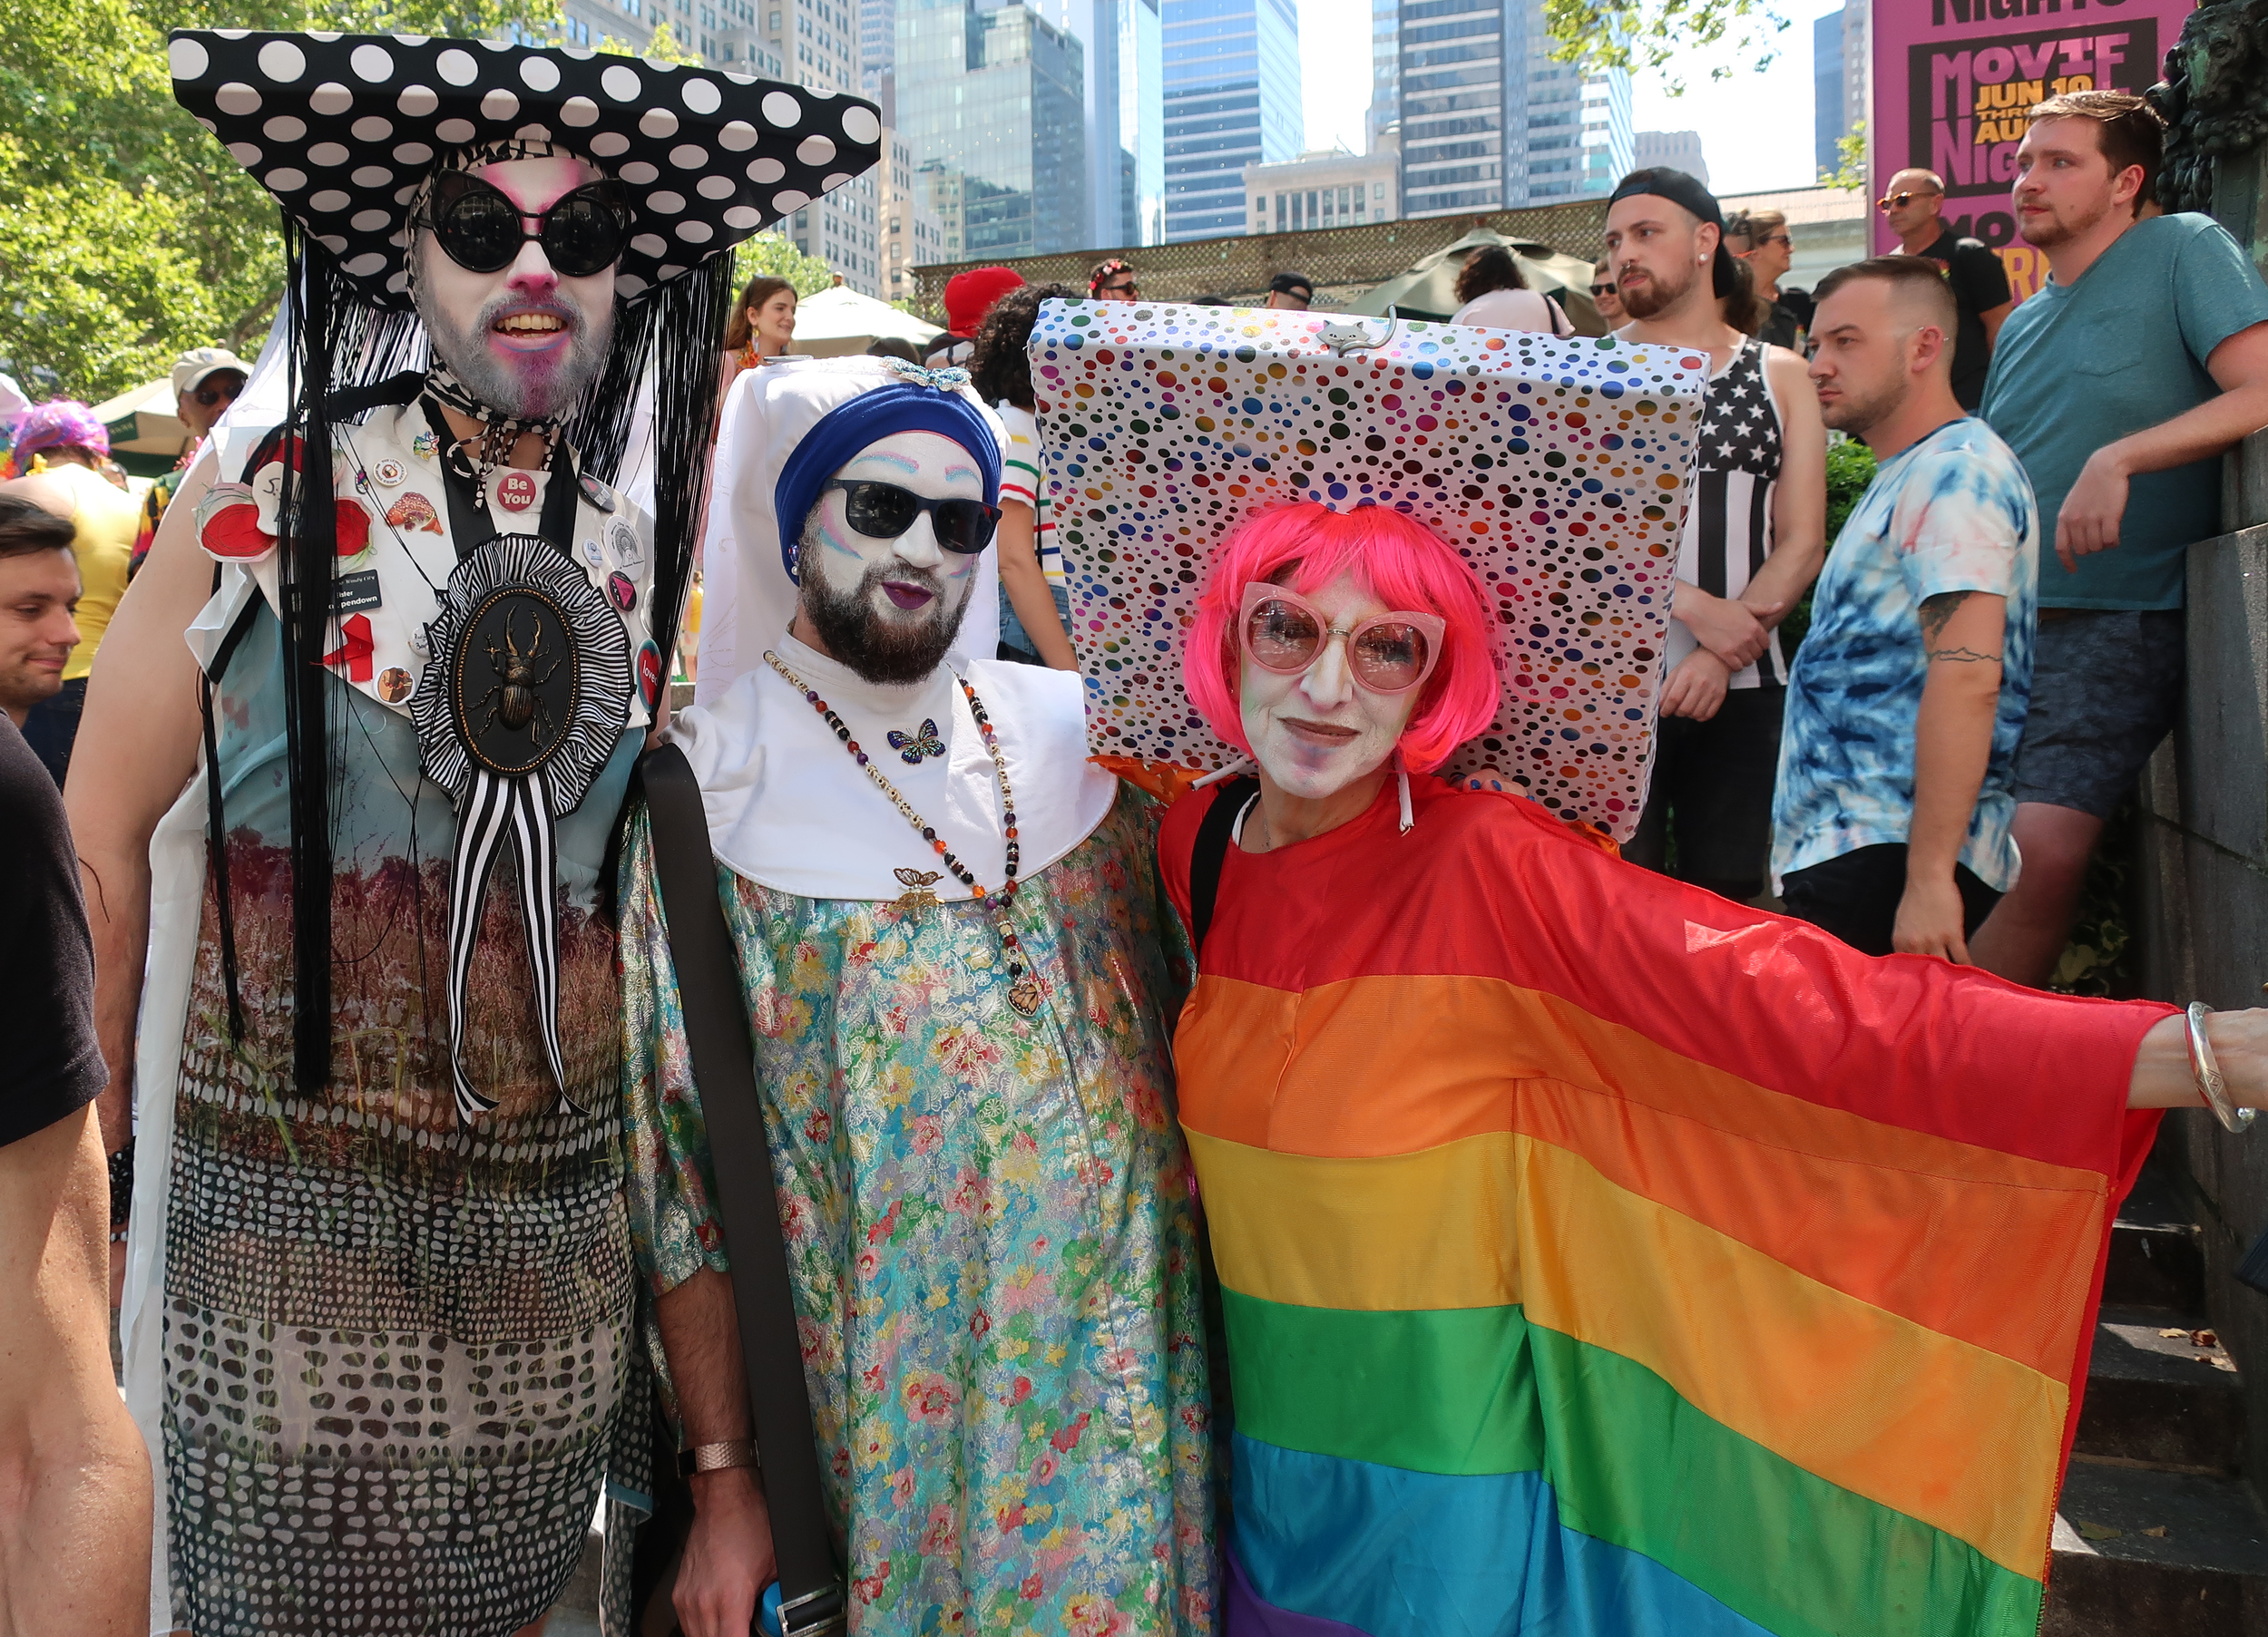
column 787, row 806
column 745, row 589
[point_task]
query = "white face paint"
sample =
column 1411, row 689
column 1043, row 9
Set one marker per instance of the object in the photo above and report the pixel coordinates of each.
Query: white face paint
column 524, row 339
column 889, row 608
column 1316, row 732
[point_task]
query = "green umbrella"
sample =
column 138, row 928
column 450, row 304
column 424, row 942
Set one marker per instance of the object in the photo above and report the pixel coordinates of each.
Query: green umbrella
column 1428, row 290
column 146, row 436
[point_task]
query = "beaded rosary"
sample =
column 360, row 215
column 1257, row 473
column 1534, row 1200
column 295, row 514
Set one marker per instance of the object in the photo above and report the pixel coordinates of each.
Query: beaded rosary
column 1023, row 988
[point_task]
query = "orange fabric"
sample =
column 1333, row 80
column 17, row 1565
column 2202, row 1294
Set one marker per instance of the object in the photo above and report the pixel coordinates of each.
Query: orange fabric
column 1445, row 1057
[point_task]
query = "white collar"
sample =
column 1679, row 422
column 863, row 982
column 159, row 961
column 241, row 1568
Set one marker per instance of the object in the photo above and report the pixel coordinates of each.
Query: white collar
column 789, row 808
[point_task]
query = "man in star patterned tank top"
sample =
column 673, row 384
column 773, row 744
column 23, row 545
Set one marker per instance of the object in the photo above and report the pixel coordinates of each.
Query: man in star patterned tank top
column 1754, row 540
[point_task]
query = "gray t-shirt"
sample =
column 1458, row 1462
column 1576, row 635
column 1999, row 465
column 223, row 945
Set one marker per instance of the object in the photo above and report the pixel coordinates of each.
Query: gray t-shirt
column 2122, row 349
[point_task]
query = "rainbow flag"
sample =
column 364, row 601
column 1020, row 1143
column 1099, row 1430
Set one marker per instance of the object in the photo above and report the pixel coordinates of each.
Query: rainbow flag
column 1602, row 1257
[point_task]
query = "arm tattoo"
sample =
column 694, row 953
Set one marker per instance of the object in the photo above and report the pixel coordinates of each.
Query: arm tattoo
column 1936, row 613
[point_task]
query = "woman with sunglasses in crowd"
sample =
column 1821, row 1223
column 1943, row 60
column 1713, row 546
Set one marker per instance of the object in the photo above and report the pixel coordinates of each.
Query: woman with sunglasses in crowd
column 1597, row 1255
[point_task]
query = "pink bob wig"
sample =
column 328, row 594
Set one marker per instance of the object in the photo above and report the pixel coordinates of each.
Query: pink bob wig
column 1395, row 559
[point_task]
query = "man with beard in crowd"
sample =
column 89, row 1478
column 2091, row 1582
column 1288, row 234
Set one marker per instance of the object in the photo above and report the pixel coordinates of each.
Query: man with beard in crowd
column 952, row 953
column 380, row 1292
column 1754, row 538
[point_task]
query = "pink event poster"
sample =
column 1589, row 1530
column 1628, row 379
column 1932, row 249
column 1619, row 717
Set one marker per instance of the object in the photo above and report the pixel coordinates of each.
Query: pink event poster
column 1952, row 79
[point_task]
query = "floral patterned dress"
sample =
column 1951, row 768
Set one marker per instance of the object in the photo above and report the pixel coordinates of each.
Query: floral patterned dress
column 991, row 1230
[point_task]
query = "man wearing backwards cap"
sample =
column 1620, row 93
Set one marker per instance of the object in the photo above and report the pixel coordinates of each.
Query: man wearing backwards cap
column 381, row 1295
column 1754, row 537
column 948, row 931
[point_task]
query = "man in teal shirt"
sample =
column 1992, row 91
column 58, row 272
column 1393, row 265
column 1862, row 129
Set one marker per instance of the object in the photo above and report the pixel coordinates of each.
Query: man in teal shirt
column 2142, row 359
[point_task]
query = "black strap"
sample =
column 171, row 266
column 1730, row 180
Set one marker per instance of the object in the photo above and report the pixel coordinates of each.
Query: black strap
column 1214, row 833
column 748, row 1207
column 471, row 525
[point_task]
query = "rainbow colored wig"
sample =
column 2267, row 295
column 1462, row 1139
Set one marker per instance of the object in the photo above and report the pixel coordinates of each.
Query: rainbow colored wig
column 1395, row 558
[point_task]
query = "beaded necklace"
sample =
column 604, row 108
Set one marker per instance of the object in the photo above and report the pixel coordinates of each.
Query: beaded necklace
column 1023, row 988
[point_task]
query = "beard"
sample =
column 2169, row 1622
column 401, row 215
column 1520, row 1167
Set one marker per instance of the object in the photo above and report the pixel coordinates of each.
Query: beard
column 1655, row 295
column 2051, row 231
column 521, row 389
column 851, row 629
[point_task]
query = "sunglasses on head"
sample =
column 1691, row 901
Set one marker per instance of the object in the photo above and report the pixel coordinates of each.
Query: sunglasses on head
column 482, row 230
column 885, row 511
column 1282, row 632
column 1893, row 202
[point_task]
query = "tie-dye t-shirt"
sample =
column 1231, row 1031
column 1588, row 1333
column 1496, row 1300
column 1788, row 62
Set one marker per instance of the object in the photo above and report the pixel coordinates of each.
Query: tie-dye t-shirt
column 1953, row 513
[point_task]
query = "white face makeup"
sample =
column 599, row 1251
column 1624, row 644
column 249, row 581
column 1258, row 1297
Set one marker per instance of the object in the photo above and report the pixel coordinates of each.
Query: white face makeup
column 1316, row 732
column 889, row 608
column 525, row 340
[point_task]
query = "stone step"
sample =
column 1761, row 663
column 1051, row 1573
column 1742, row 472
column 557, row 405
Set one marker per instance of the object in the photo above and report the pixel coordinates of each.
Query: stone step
column 2159, row 1400
column 2144, row 1553
column 2156, row 1250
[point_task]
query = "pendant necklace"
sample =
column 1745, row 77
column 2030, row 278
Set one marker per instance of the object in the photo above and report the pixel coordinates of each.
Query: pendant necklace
column 1023, row 988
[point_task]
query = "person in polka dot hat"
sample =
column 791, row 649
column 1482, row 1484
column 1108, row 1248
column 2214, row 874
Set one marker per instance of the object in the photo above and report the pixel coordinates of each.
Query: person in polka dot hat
column 354, row 830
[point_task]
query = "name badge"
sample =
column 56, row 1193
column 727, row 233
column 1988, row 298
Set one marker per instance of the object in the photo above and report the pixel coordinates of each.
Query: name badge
column 359, row 591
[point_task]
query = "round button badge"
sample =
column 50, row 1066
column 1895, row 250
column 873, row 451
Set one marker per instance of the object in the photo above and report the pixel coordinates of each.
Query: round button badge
column 389, row 473
column 624, row 590
column 515, row 492
column 649, row 675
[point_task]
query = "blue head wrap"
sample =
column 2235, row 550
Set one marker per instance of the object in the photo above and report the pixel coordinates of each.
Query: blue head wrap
column 841, row 432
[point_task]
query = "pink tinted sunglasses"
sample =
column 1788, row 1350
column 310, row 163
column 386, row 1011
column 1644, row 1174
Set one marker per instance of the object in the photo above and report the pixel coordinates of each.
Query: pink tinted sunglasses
column 1282, row 632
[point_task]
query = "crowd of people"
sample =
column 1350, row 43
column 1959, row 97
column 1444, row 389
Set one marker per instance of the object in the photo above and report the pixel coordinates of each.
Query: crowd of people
column 908, row 1174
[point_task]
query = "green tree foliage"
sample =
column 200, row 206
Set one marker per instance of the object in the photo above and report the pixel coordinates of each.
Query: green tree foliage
column 1851, row 161
column 773, row 255
column 126, row 232
column 1647, row 34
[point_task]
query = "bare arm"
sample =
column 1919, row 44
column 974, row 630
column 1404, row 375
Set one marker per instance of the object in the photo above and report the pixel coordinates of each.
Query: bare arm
column 1799, row 499
column 74, row 1480
column 1961, row 632
column 728, row 1555
column 1026, row 583
column 2089, row 519
column 138, row 747
column 2161, row 1068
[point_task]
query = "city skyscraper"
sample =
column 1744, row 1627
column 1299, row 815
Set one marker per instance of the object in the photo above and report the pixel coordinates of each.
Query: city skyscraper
column 1125, row 132
column 991, row 107
column 1842, row 81
column 1232, row 99
column 1491, row 120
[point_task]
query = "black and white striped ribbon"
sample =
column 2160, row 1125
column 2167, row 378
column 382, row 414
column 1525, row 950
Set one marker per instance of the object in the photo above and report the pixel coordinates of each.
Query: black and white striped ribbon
column 497, row 809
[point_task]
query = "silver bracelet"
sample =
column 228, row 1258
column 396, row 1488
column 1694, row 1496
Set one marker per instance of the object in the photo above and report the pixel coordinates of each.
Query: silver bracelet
column 2206, row 1072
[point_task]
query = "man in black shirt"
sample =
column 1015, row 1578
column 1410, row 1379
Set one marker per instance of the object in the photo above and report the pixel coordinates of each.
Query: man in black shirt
column 1980, row 282
column 74, row 1517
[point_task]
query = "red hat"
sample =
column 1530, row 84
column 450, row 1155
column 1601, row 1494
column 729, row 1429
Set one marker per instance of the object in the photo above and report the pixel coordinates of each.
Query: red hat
column 969, row 295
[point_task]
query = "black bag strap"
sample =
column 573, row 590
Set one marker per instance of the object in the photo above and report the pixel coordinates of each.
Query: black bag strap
column 812, row 1599
column 1214, row 832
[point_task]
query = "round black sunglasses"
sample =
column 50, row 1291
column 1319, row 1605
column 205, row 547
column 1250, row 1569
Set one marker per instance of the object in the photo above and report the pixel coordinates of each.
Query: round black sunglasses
column 482, row 229
column 885, row 511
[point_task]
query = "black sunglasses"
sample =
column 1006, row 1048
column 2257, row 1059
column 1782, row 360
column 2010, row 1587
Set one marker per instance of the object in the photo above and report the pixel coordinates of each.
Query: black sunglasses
column 207, row 397
column 1602, row 289
column 1119, row 289
column 482, row 229
column 885, row 511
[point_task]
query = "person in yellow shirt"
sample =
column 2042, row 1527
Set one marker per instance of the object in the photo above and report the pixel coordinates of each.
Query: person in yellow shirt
column 57, row 447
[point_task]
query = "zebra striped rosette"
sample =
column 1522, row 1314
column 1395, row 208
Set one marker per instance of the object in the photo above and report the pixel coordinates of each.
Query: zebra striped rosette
column 524, row 699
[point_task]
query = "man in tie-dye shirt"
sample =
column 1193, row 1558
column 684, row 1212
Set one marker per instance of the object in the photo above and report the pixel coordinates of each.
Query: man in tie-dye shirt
column 1891, row 817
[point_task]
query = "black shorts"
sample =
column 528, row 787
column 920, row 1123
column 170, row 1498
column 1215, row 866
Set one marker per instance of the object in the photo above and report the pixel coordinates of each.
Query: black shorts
column 1712, row 793
column 1856, row 896
column 2107, row 685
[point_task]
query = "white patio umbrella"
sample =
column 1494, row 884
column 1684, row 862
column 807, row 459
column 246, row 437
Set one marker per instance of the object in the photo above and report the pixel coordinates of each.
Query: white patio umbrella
column 840, row 320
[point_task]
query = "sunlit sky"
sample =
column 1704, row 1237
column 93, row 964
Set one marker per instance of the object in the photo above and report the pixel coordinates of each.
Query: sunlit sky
column 1755, row 127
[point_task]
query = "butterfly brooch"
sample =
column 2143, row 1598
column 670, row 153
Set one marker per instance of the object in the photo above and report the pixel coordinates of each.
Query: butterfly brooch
column 918, row 895
column 913, row 746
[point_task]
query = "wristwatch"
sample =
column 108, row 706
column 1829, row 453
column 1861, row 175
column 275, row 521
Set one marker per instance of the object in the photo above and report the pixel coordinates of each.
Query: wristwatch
column 715, row 1457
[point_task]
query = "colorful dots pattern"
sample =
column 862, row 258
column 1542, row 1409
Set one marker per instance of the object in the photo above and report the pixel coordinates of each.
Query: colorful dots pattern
column 1559, row 469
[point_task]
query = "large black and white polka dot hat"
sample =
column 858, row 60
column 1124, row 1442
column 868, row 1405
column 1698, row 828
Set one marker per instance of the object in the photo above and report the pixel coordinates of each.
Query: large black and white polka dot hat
column 345, row 129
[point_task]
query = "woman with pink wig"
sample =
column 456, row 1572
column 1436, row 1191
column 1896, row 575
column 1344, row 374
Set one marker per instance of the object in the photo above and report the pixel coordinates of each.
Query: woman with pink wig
column 1599, row 1257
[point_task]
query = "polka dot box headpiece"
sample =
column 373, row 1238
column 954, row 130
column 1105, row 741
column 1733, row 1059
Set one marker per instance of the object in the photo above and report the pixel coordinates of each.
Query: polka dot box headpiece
column 345, row 129
column 1558, row 469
